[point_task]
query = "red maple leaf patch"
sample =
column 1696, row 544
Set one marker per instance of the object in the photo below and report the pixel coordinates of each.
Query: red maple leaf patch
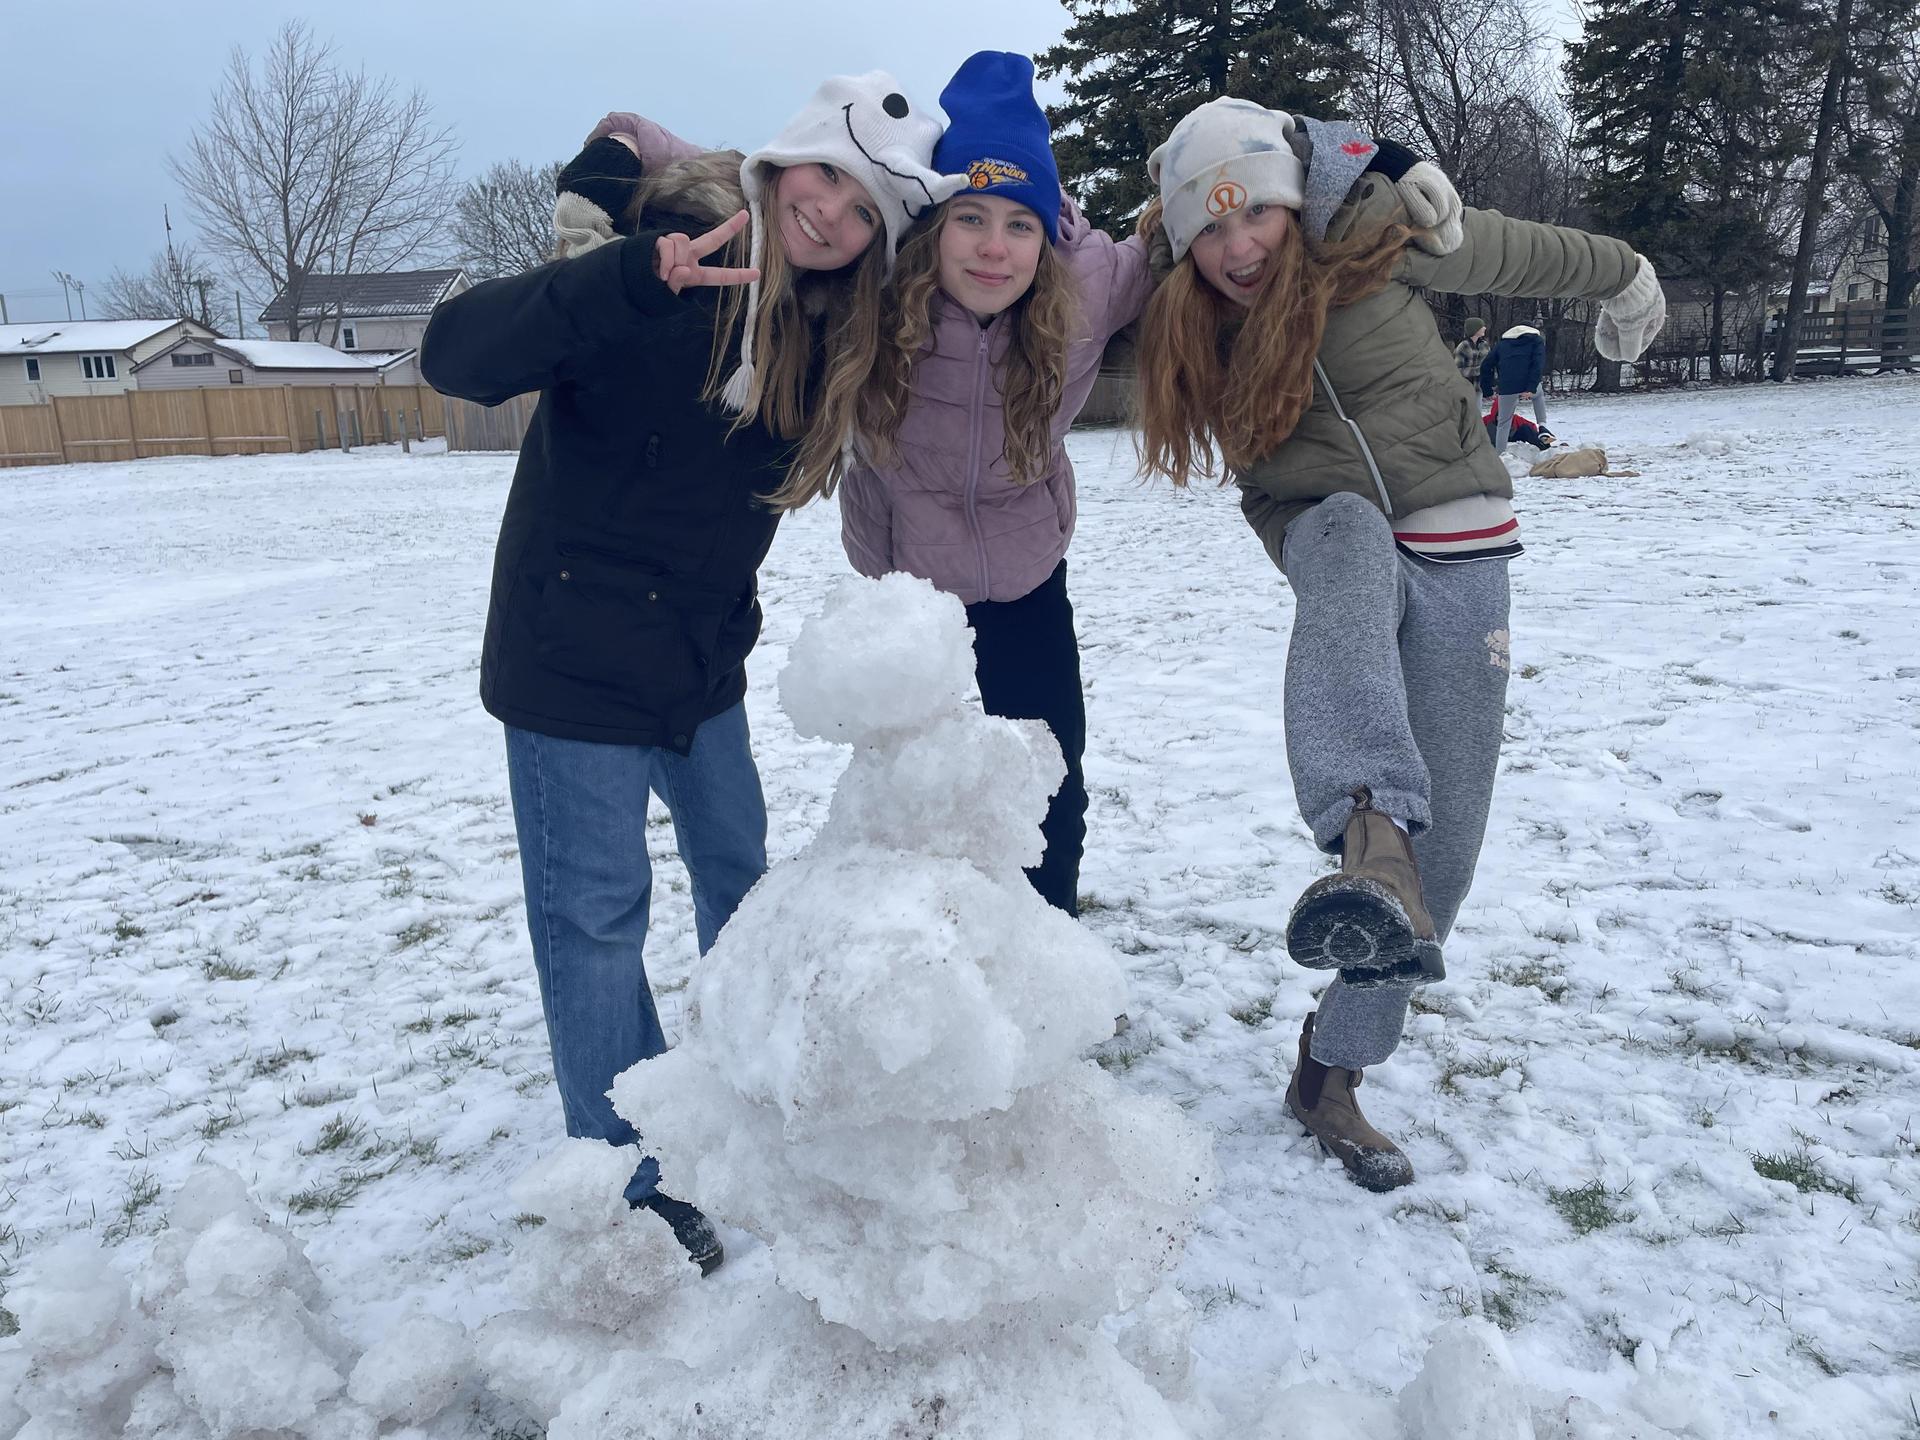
column 1358, row 147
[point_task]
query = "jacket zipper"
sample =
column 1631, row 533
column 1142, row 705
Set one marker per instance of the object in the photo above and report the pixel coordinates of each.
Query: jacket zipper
column 973, row 457
column 1365, row 449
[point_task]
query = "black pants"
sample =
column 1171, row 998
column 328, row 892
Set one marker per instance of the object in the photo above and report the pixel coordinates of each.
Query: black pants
column 1027, row 659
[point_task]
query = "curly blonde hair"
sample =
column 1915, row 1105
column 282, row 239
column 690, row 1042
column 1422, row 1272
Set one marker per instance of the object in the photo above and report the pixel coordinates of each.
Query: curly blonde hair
column 1032, row 380
column 1214, row 376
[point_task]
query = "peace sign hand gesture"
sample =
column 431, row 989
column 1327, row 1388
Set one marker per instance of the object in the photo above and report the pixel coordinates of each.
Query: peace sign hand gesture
column 676, row 258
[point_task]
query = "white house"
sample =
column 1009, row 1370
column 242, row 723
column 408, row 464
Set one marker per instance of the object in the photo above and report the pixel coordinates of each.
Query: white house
column 81, row 357
column 192, row 361
column 384, row 311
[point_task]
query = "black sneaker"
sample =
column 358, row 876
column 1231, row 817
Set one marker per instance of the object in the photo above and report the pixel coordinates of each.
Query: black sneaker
column 692, row 1229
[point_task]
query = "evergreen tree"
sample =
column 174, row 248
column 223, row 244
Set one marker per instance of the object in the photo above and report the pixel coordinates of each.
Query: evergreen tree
column 1134, row 67
column 1682, row 122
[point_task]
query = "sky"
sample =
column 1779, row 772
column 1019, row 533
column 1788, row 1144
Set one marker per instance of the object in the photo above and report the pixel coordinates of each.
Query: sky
column 98, row 96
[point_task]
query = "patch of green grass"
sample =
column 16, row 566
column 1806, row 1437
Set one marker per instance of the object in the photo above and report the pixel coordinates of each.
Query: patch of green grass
column 92, row 1119
column 214, row 1126
column 1513, row 1297
column 340, row 1130
column 1254, row 1013
column 1687, row 981
column 1589, row 1207
column 1800, row 1170
column 330, row 1197
column 468, row 1248
column 399, row 884
column 125, row 929
column 527, row 1220
column 426, row 1151
column 1530, row 975
column 275, row 1061
column 418, row 933
column 142, row 1192
column 1804, row 1345
column 458, row 1018
column 40, row 1007
column 1487, row 1067
column 221, row 968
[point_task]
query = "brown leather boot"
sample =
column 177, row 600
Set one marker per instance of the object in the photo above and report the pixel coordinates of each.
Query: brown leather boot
column 1368, row 920
column 1321, row 1098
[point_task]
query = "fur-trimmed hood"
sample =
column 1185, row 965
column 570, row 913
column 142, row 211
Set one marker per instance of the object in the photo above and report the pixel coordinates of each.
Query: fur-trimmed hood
column 703, row 187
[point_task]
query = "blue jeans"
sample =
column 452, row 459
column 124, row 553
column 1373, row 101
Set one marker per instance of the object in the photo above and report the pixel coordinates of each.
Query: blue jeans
column 580, row 809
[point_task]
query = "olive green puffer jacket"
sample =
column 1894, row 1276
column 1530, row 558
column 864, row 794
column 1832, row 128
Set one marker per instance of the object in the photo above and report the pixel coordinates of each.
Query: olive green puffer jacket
column 1390, row 419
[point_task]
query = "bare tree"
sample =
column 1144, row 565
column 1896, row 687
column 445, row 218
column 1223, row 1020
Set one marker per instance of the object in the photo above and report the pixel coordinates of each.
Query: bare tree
column 177, row 284
column 503, row 220
column 1466, row 88
column 306, row 168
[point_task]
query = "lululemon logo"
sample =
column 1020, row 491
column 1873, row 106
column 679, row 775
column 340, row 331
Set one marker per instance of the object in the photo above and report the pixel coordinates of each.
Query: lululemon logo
column 1226, row 198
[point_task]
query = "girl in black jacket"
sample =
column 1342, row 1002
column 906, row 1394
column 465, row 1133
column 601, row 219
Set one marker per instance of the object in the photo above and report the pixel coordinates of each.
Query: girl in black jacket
column 624, row 598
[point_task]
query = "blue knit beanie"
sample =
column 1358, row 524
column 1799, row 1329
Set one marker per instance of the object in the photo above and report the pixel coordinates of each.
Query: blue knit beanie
column 998, row 136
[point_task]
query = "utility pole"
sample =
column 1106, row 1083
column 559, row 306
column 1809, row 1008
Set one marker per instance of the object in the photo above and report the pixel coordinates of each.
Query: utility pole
column 239, row 317
column 3, row 310
column 66, row 281
column 80, row 289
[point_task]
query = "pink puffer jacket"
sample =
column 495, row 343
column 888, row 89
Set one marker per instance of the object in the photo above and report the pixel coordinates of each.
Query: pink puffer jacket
column 944, row 508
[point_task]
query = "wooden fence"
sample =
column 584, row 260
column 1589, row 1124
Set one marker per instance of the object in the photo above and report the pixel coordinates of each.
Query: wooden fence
column 484, row 427
column 278, row 420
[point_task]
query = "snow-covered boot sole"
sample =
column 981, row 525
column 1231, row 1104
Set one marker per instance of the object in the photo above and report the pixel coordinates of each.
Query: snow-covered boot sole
column 1360, row 928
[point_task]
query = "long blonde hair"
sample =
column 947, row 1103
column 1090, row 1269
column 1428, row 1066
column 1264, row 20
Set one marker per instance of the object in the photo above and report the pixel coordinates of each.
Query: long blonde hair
column 1032, row 379
column 802, row 316
column 1214, row 376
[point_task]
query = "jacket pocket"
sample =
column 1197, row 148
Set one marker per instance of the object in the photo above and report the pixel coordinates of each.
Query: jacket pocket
column 614, row 630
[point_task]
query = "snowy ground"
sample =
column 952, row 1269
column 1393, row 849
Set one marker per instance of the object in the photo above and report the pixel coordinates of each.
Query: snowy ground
column 259, row 903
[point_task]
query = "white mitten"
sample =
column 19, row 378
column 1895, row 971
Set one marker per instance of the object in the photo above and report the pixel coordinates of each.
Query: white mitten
column 1629, row 321
column 580, row 225
column 1434, row 207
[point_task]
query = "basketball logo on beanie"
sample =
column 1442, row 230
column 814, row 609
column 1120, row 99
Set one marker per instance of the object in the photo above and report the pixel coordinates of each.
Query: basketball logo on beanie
column 998, row 135
column 984, row 173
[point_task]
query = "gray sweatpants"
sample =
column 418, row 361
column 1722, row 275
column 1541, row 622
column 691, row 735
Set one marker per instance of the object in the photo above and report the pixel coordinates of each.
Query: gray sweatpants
column 1396, row 680
column 1509, row 406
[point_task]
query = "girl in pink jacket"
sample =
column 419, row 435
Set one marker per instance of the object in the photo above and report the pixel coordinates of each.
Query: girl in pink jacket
column 1003, row 300
column 993, row 324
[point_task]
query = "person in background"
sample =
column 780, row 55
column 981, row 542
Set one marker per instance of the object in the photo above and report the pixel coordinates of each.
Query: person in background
column 1471, row 353
column 1513, row 370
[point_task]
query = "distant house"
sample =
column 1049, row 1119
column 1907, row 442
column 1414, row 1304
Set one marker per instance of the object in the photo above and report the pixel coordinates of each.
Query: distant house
column 192, row 361
column 82, row 357
column 387, row 311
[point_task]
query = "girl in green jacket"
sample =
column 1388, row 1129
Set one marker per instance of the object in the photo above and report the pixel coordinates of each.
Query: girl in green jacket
column 1288, row 340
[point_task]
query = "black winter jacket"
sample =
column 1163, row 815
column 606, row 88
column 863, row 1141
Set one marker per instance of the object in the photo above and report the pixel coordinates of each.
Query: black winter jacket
column 624, row 596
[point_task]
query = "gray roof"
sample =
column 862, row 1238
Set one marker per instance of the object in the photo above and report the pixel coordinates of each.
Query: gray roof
column 390, row 292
